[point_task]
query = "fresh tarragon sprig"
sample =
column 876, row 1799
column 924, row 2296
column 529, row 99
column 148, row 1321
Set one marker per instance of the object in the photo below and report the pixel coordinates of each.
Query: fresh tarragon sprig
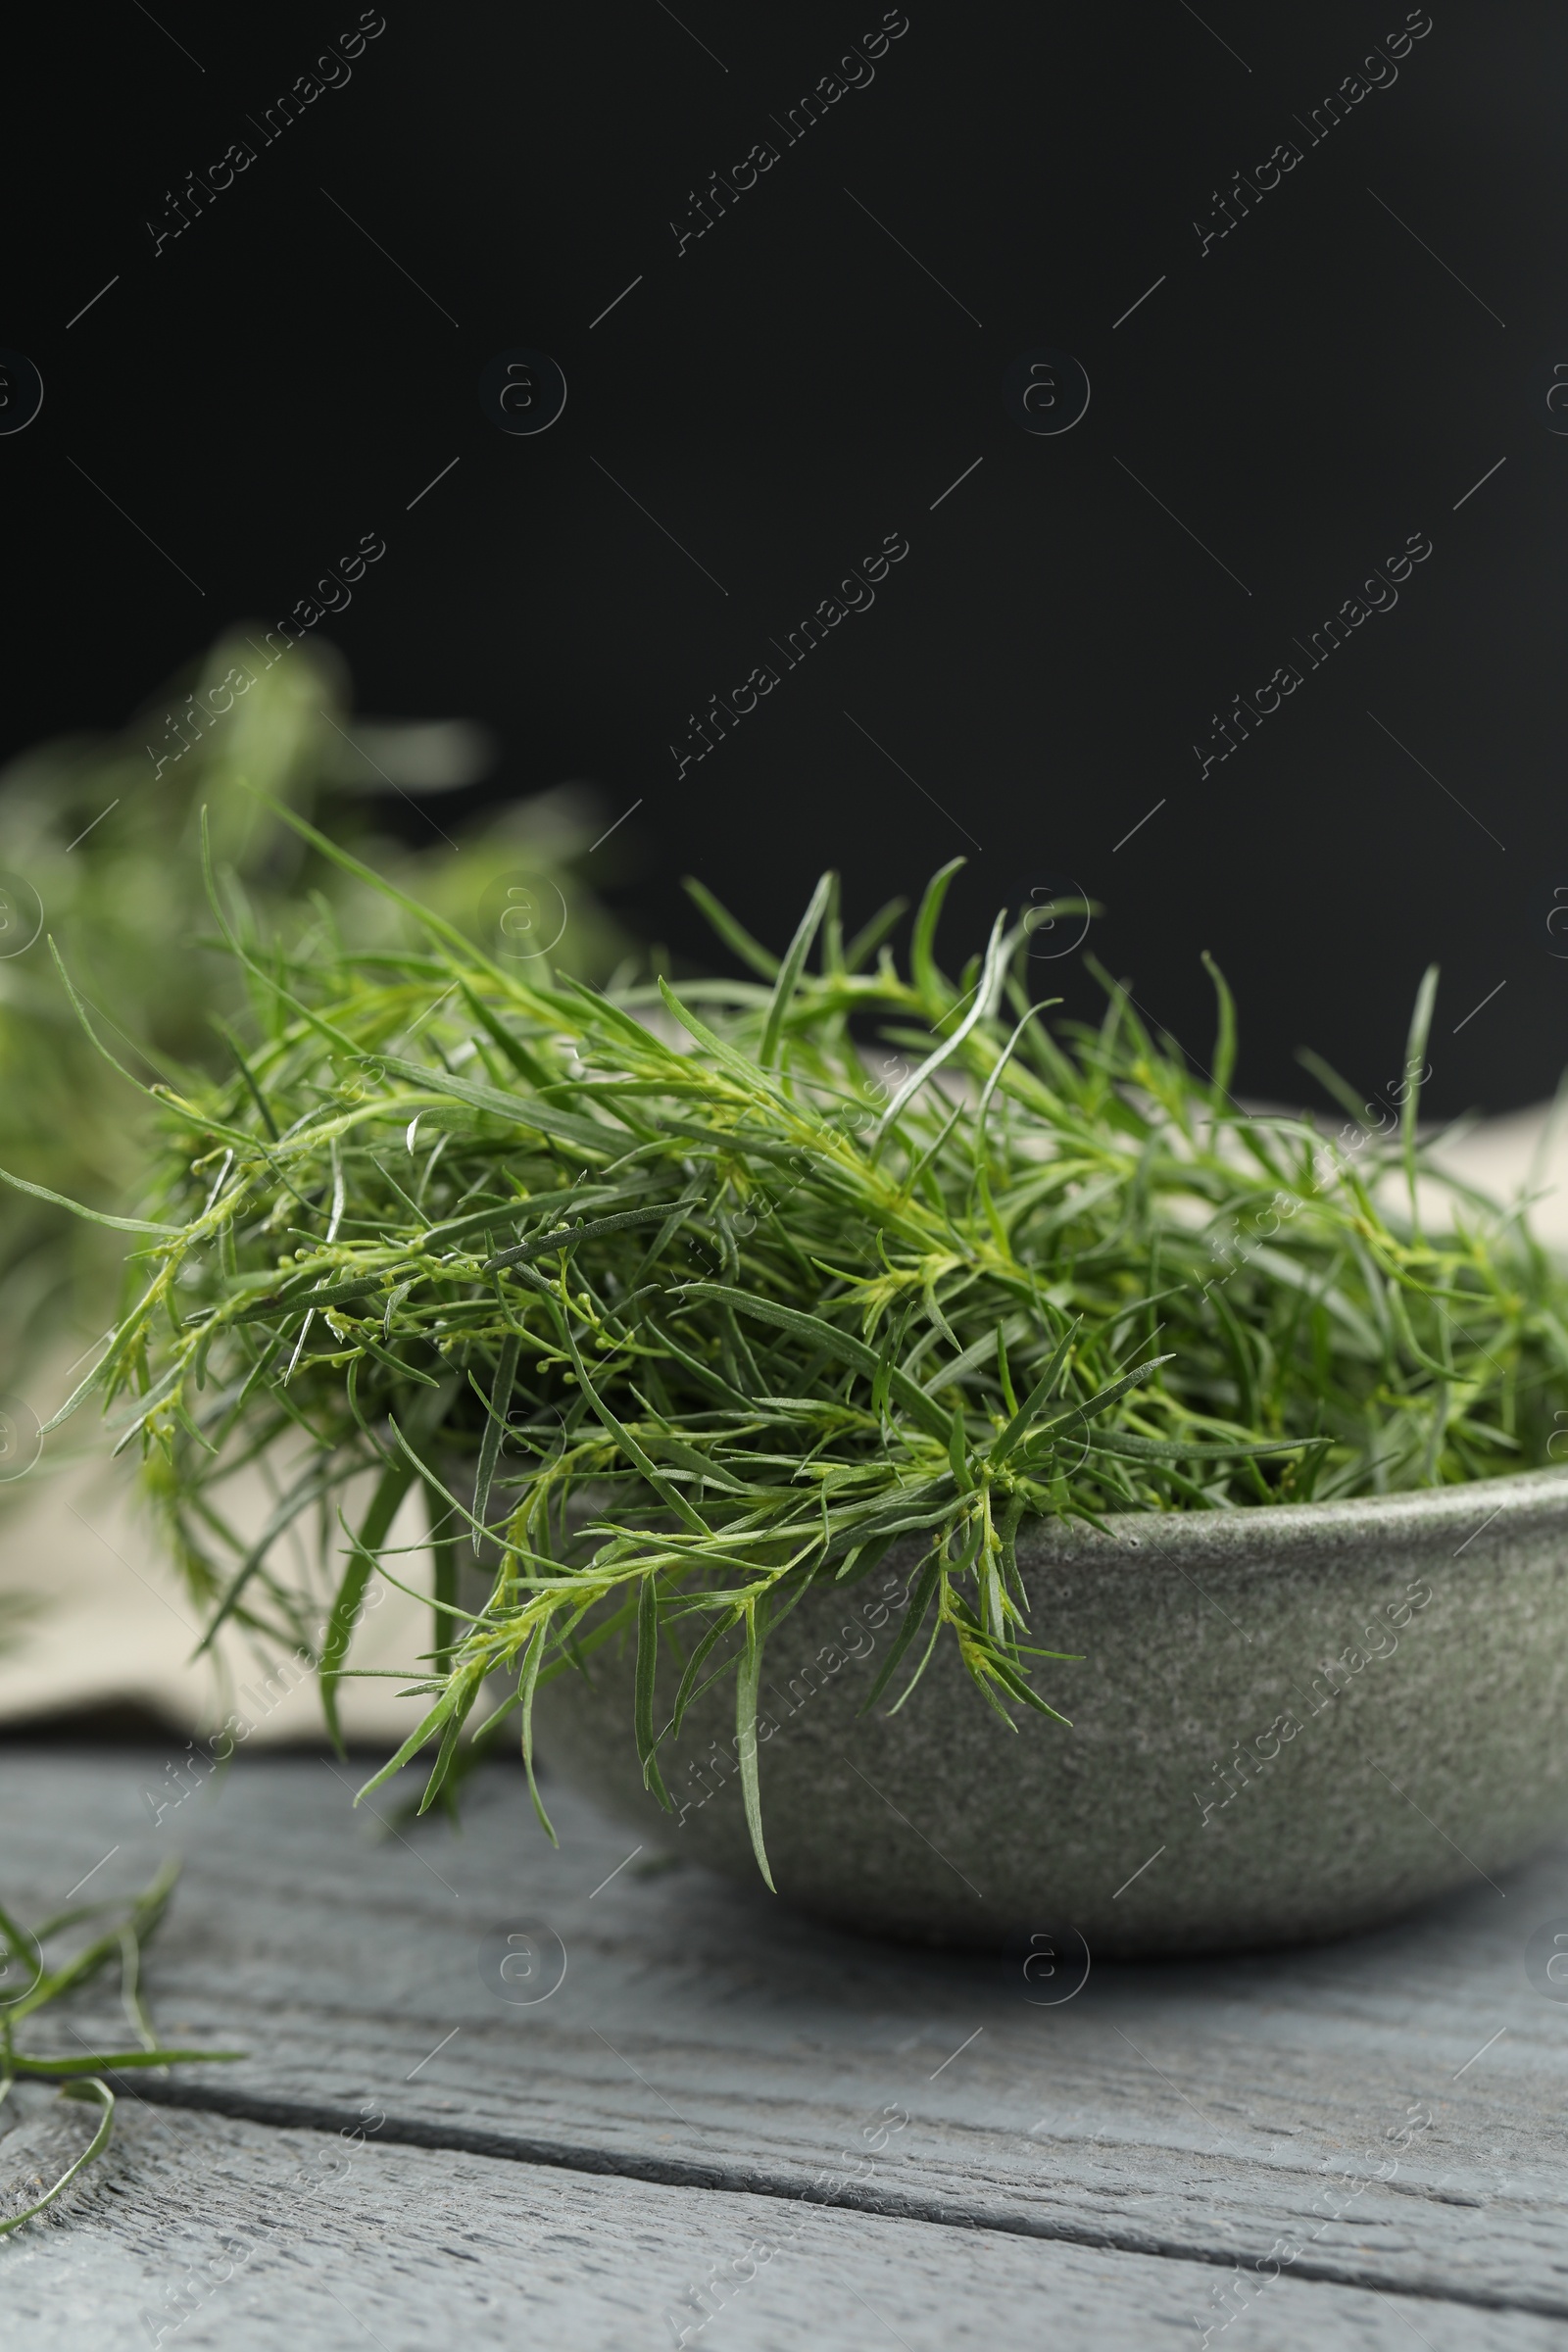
column 29, row 1982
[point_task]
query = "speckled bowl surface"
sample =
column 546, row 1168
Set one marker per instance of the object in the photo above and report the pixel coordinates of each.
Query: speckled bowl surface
column 1287, row 1724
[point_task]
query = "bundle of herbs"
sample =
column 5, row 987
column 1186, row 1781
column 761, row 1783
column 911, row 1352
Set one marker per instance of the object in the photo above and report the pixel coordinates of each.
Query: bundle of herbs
column 676, row 1299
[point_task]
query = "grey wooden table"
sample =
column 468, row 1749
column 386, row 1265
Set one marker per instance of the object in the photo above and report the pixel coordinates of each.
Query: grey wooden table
column 498, row 2094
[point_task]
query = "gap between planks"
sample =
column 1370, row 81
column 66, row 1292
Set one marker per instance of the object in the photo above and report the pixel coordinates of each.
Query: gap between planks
column 894, row 2205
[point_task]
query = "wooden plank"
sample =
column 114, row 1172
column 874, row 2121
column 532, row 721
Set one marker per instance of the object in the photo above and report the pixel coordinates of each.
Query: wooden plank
column 703, row 2034
column 202, row 2231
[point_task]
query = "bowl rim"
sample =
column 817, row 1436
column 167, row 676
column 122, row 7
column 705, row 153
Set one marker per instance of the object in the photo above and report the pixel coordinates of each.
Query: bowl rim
column 1470, row 1508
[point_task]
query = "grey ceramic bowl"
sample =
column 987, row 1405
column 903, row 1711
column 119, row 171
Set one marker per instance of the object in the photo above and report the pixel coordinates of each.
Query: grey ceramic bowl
column 1287, row 1724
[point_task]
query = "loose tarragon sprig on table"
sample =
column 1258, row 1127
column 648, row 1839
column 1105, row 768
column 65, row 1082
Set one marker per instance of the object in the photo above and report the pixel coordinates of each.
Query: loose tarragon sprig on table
column 673, row 1301
column 29, row 1982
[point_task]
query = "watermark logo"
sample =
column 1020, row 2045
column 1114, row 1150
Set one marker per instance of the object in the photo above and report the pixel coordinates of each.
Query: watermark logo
column 523, row 391
column 20, row 1965
column 1046, row 1966
column 21, row 914
column 1549, row 395
column 20, row 392
column 522, row 914
column 1056, row 919
column 1546, row 1960
column 20, row 1438
column 1045, row 391
column 522, row 1965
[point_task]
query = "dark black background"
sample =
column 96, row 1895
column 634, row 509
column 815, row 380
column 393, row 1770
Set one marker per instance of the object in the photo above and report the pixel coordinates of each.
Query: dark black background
column 1313, row 389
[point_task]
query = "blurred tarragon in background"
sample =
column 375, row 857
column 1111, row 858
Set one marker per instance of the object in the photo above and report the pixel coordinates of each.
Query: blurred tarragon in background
column 99, row 852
